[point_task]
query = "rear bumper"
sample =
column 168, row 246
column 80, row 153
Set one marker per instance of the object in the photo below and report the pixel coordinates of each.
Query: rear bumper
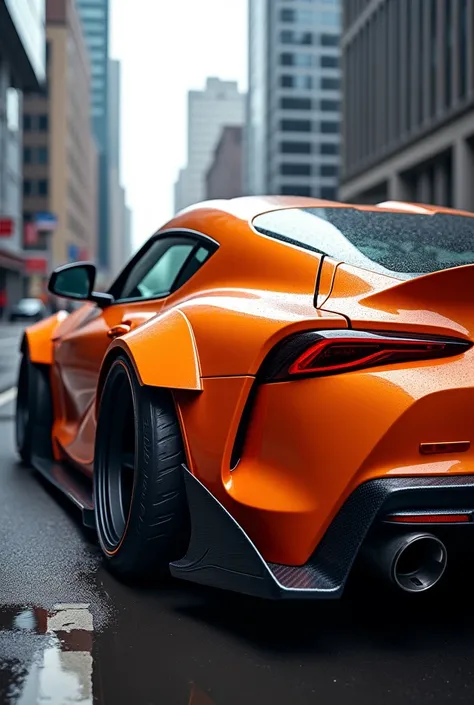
column 222, row 555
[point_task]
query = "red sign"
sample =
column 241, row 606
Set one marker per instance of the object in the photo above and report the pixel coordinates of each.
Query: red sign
column 36, row 265
column 6, row 227
column 31, row 234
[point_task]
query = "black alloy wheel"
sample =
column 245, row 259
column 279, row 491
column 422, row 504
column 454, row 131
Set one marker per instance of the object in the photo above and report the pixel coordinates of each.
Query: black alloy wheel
column 140, row 500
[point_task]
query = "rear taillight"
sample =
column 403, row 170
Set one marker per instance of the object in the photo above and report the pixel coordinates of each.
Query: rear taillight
column 333, row 352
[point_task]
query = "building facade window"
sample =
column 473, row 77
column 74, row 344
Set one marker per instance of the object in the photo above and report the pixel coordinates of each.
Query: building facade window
column 43, row 123
column 295, row 103
column 295, row 190
column 42, row 155
column 295, row 147
column 304, row 60
column 330, row 40
column 330, row 84
column 329, row 170
column 329, row 62
column 330, row 106
column 295, row 125
column 329, row 193
column 288, row 36
column 329, row 128
column 329, row 148
column 295, row 169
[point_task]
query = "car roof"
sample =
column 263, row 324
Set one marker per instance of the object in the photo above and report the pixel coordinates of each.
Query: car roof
column 248, row 207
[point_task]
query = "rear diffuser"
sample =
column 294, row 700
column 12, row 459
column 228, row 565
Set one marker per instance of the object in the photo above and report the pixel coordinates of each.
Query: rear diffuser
column 221, row 555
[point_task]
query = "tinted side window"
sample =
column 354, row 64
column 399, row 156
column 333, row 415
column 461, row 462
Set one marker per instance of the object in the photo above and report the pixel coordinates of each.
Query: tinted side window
column 162, row 265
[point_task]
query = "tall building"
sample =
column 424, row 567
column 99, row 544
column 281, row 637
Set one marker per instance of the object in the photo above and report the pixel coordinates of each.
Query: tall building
column 129, row 246
column 118, row 235
column 59, row 154
column 94, row 16
column 22, row 69
column 116, row 192
column 409, row 101
column 293, row 104
column 220, row 104
column 224, row 178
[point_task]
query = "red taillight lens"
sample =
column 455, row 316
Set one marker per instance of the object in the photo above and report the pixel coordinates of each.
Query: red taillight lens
column 333, row 352
column 345, row 354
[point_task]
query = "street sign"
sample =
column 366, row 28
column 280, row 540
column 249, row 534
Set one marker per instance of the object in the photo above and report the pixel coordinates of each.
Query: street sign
column 45, row 221
column 31, row 234
column 36, row 265
column 7, row 226
column 73, row 253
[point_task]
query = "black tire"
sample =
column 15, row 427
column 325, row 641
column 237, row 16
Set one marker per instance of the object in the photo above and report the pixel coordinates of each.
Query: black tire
column 141, row 510
column 34, row 413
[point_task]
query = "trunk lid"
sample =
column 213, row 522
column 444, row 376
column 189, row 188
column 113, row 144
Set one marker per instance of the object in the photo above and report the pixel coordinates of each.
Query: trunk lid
column 441, row 302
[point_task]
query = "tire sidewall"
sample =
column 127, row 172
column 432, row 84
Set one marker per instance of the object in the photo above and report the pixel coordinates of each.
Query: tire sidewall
column 133, row 540
column 26, row 396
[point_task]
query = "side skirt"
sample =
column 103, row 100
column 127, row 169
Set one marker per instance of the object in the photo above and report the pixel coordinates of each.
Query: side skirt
column 71, row 483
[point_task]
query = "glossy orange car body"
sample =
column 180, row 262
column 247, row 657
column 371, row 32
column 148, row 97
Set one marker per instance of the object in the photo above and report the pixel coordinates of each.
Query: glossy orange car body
column 309, row 443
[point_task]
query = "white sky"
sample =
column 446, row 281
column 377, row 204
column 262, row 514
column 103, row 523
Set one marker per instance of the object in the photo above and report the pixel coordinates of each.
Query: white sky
column 168, row 47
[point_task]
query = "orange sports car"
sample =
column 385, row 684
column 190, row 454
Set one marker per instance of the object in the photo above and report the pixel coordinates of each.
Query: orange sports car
column 272, row 391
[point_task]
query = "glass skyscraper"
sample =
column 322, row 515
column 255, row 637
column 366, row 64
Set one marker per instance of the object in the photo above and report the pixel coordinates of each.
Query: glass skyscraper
column 94, row 16
column 293, row 106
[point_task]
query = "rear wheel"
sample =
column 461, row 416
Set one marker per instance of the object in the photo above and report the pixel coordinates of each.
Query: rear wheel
column 140, row 500
column 33, row 415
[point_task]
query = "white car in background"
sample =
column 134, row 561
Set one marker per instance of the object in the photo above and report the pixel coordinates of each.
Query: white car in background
column 28, row 310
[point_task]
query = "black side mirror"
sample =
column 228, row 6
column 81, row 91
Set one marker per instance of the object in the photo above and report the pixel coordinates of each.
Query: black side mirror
column 76, row 281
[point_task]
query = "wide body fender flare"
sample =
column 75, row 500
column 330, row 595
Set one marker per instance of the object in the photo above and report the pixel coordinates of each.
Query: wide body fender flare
column 163, row 352
column 38, row 338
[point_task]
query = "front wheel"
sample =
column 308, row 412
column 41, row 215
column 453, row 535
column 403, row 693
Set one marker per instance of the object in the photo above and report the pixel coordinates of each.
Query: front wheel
column 140, row 499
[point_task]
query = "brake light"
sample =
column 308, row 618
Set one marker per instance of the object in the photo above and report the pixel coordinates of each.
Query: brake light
column 425, row 518
column 334, row 352
column 343, row 355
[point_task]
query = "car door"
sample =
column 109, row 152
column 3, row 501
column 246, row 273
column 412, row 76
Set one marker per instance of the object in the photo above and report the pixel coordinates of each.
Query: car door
column 139, row 294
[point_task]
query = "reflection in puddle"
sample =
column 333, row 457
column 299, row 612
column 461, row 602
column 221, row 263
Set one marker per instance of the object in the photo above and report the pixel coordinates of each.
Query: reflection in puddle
column 59, row 671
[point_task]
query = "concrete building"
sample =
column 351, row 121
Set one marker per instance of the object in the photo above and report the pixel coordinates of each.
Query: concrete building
column 118, row 218
column 293, row 104
column 59, row 155
column 409, row 101
column 94, row 16
column 22, row 69
column 116, row 235
column 129, row 245
column 220, row 104
column 224, row 178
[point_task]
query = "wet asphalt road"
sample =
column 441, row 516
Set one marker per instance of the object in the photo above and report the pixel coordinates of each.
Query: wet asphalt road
column 69, row 633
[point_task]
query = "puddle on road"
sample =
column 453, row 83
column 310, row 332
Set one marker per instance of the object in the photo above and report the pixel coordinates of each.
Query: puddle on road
column 58, row 669
column 46, row 658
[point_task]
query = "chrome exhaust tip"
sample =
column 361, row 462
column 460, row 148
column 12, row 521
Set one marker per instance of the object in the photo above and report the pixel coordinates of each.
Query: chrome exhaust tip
column 419, row 563
column 412, row 562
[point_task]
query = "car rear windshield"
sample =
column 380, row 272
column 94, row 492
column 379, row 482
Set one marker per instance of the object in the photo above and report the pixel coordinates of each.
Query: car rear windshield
column 399, row 243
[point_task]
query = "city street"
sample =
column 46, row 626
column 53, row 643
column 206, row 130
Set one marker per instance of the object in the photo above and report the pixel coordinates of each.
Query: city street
column 68, row 628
